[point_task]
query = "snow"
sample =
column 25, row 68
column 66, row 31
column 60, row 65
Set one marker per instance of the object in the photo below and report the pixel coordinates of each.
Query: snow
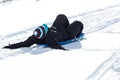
column 97, row 41
column 95, row 58
column 52, row 65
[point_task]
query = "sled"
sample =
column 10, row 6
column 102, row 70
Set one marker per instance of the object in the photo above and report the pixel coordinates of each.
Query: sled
column 78, row 38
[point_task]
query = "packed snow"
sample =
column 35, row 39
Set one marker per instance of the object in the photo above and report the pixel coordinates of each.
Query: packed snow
column 97, row 57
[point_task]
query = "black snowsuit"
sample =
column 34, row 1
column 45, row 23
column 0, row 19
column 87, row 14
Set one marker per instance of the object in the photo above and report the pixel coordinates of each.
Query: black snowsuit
column 60, row 31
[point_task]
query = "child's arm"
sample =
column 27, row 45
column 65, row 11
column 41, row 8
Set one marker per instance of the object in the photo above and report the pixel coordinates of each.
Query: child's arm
column 30, row 41
column 54, row 44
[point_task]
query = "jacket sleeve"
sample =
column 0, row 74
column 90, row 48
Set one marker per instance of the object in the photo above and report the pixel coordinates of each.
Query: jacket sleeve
column 54, row 44
column 30, row 41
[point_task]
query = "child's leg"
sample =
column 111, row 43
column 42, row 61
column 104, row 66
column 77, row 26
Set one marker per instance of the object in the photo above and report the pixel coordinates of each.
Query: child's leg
column 75, row 28
column 61, row 21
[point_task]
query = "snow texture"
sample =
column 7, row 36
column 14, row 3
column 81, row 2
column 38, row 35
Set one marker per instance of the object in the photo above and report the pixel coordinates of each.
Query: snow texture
column 102, row 33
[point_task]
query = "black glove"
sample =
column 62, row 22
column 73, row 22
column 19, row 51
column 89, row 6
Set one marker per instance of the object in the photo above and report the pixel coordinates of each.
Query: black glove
column 6, row 47
column 9, row 46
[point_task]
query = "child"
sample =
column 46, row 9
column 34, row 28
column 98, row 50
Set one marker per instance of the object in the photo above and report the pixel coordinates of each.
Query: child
column 60, row 31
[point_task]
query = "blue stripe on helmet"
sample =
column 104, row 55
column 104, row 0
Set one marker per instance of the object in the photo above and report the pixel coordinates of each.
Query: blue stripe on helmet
column 45, row 27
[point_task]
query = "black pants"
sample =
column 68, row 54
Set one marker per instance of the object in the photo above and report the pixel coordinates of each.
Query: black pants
column 73, row 29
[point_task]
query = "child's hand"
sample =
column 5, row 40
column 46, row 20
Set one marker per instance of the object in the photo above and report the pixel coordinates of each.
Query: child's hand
column 6, row 47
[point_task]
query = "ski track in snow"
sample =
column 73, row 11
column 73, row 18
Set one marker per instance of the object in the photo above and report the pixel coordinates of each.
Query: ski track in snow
column 93, row 21
column 111, row 65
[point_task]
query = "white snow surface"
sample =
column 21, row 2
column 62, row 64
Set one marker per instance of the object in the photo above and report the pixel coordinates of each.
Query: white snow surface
column 95, row 58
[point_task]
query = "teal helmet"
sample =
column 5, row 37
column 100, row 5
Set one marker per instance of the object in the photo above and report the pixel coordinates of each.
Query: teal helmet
column 41, row 31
